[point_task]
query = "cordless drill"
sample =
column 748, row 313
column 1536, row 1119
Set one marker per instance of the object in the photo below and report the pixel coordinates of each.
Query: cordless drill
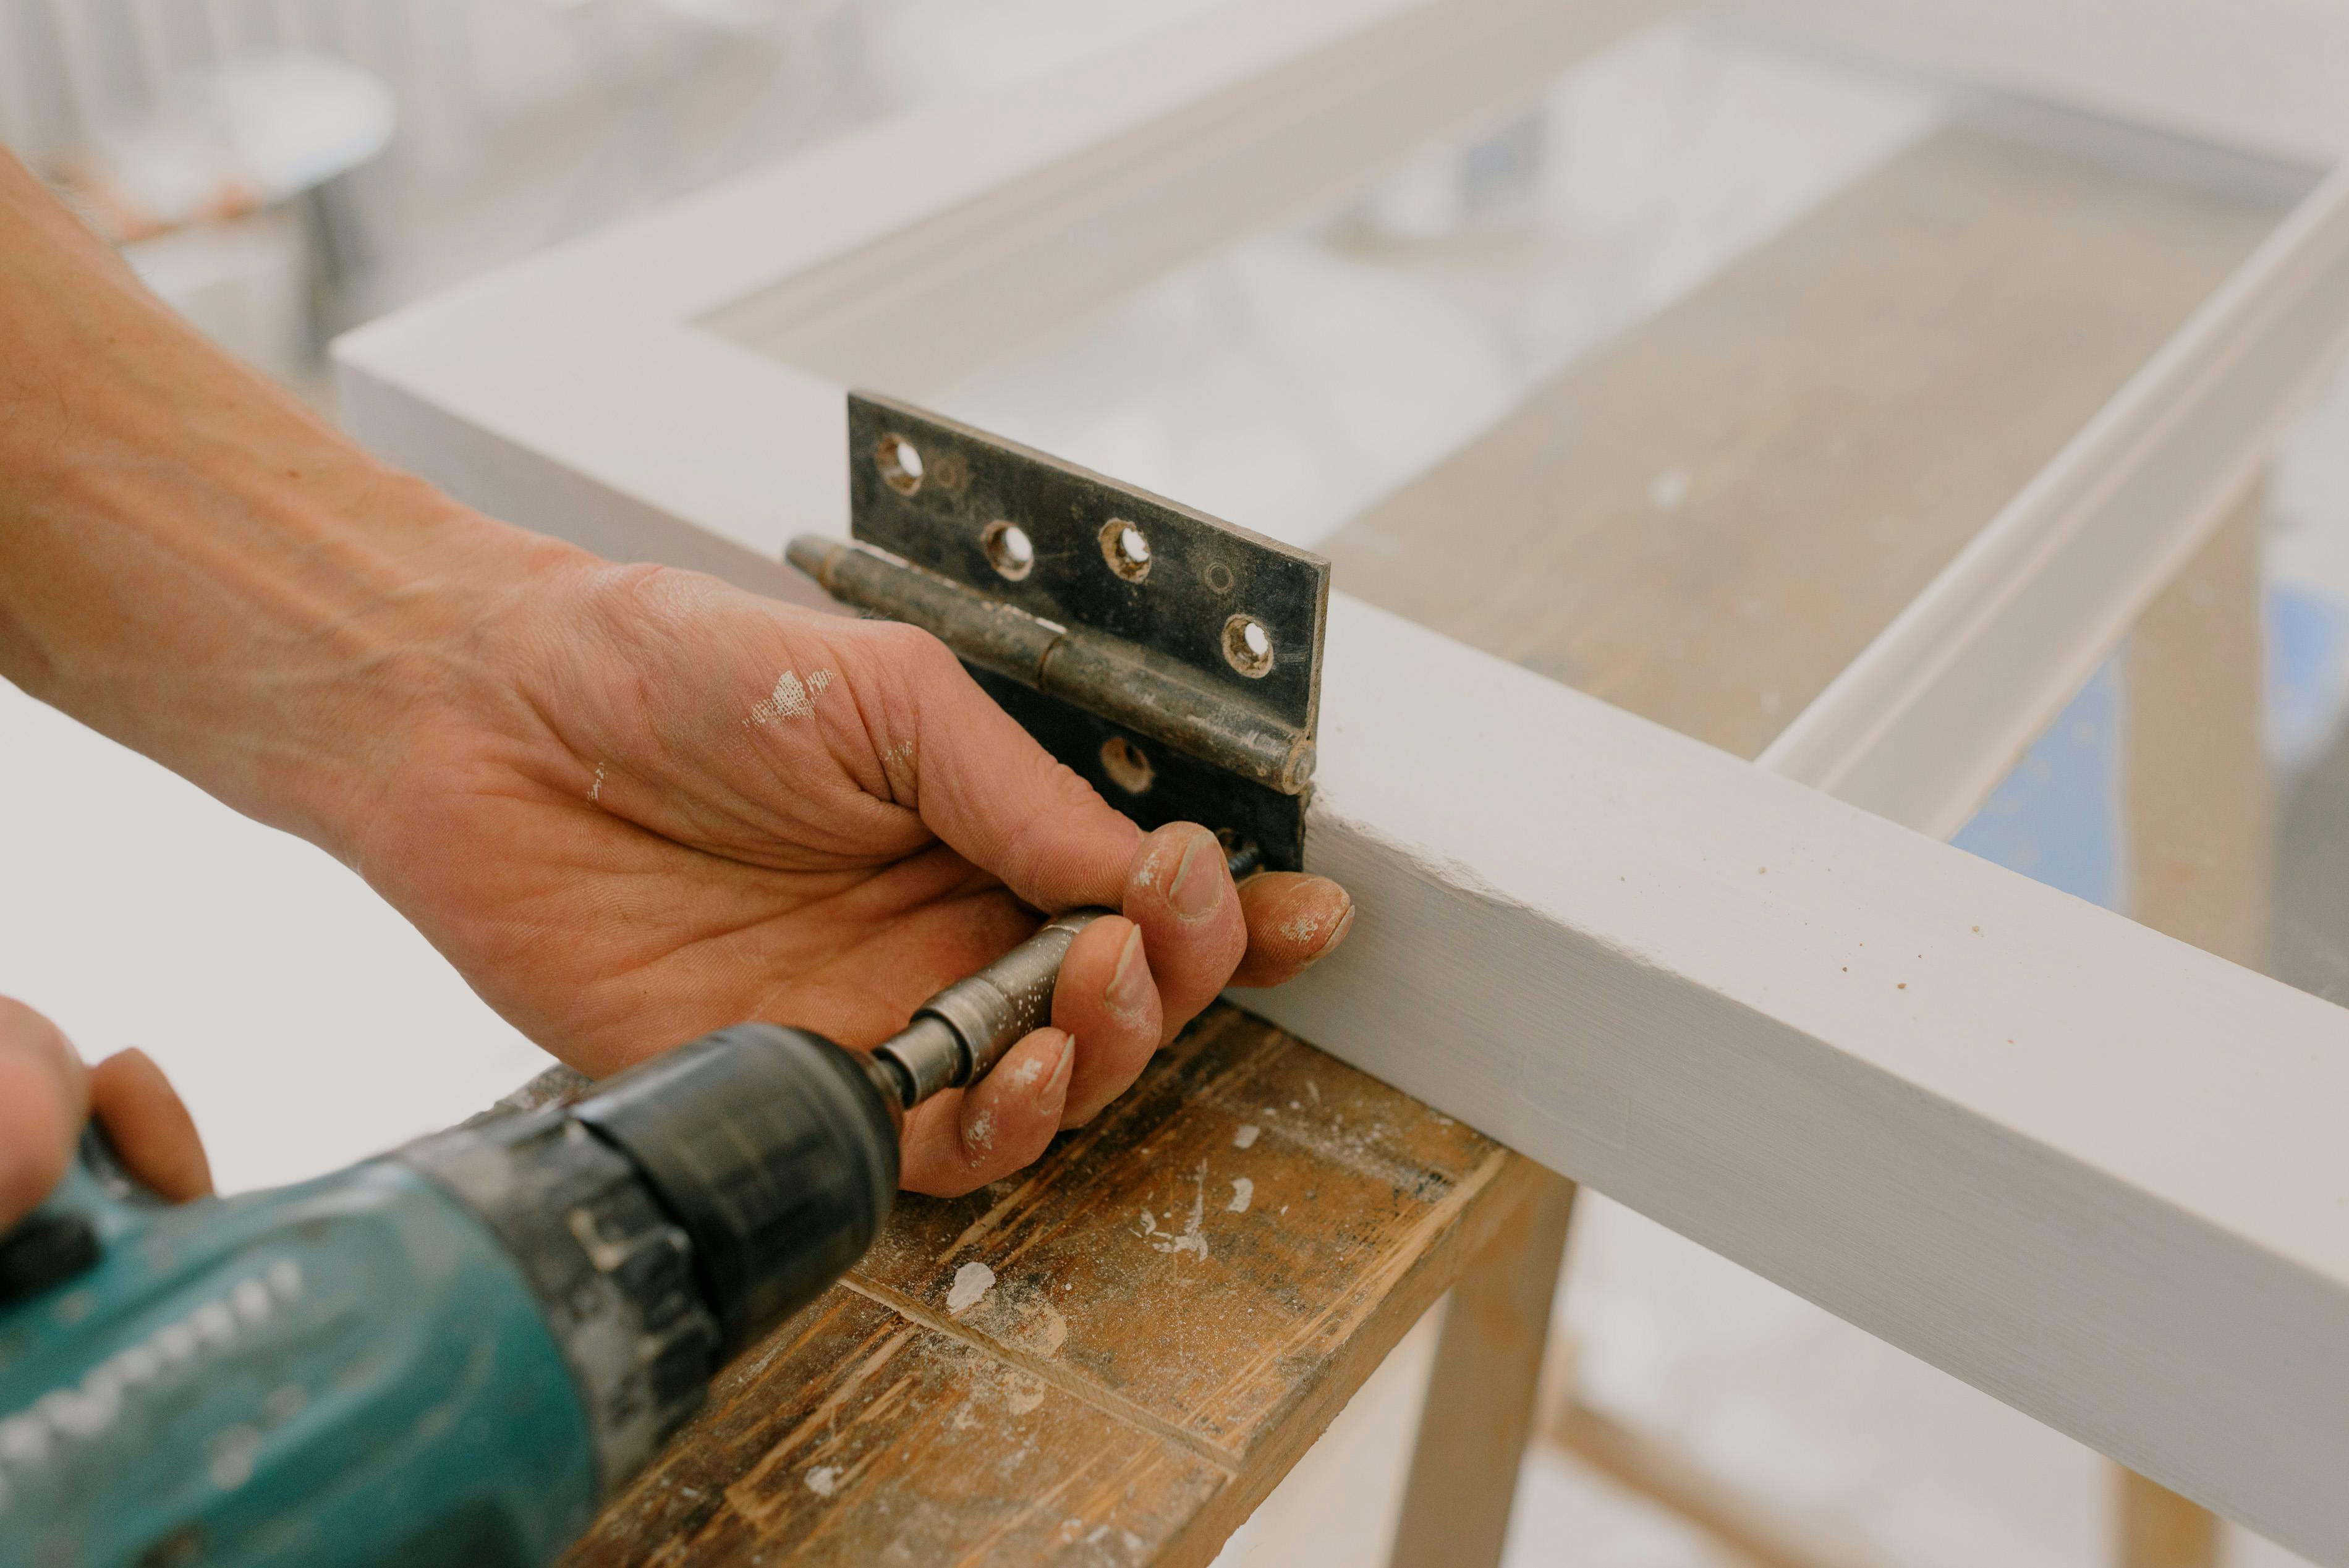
column 452, row 1353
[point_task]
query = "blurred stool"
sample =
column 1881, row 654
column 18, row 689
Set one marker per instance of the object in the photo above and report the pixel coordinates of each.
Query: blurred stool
column 179, row 186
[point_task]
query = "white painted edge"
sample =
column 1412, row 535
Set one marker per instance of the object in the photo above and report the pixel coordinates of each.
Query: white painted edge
column 2093, row 1171
column 1934, row 711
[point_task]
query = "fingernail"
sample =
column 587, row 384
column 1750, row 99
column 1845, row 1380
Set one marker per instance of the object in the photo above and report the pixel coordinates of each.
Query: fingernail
column 1337, row 935
column 1197, row 889
column 1056, row 1086
column 1129, row 988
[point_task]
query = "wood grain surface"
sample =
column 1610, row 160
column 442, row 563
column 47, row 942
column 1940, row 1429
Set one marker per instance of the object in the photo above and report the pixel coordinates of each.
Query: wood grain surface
column 1152, row 1323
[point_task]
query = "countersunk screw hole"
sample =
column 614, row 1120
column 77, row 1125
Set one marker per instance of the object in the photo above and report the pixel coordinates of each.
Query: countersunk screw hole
column 1217, row 577
column 1125, row 549
column 900, row 464
column 1127, row 767
column 1008, row 550
column 1248, row 646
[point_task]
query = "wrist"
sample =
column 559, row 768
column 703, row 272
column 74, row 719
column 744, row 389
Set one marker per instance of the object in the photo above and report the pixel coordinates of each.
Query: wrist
column 416, row 651
column 192, row 563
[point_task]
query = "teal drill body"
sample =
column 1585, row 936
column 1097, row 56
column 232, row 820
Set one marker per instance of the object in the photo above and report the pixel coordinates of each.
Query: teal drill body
column 446, row 1357
column 347, row 1371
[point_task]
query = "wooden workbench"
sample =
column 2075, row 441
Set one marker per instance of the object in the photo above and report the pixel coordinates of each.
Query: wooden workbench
column 1114, row 1357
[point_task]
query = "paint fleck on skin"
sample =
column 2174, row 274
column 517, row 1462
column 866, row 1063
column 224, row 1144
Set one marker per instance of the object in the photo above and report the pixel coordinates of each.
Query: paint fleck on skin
column 817, row 680
column 595, row 790
column 1301, row 928
column 1245, row 1136
column 824, row 1480
column 980, row 1138
column 971, row 1281
column 788, row 700
column 1243, row 1194
column 1024, row 1076
column 897, row 771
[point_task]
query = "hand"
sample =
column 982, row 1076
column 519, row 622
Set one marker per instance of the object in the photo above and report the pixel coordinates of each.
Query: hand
column 46, row 1094
column 630, row 805
column 652, row 805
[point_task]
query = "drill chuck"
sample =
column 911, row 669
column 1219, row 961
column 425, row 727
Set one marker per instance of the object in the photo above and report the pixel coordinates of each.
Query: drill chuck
column 965, row 1030
column 773, row 1150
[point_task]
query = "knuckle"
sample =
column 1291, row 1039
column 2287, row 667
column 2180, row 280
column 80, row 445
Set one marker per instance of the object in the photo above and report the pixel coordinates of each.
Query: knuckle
column 915, row 653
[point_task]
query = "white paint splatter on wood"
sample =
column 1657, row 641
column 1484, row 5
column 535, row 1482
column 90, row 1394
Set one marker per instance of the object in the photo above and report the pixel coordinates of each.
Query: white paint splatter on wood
column 1243, row 1194
column 823, row 1481
column 971, row 1281
column 1194, row 1238
column 1022, row 1392
column 1245, row 1136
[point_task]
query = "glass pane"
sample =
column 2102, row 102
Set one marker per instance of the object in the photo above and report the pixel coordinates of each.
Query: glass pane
column 2200, row 784
column 2201, row 781
column 1675, row 385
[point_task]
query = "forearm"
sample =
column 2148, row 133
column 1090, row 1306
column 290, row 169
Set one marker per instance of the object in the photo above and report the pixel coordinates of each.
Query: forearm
column 193, row 563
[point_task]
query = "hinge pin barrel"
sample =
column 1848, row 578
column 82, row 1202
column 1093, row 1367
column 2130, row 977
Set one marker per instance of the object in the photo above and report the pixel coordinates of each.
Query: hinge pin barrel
column 1129, row 685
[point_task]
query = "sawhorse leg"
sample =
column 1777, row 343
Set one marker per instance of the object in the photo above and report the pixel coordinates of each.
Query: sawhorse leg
column 2199, row 809
column 1482, row 1390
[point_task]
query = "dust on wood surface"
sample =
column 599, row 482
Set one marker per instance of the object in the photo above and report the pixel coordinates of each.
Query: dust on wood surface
column 1109, row 1358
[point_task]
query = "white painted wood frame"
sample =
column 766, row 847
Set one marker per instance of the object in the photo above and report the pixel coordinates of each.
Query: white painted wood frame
column 2097, row 1173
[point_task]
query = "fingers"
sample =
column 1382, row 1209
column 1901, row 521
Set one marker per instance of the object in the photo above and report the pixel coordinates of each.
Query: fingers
column 44, row 1096
column 983, row 785
column 1180, row 892
column 968, row 1138
column 150, row 1127
column 1292, row 921
column 1107, row 998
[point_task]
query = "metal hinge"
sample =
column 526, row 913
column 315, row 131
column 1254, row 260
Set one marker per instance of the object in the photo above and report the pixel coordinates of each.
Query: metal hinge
column 1172, row 659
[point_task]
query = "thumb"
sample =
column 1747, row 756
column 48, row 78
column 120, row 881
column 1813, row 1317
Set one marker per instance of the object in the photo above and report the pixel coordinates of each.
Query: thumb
column 149, row 1126
column 43, row 1096
column 984, row 786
